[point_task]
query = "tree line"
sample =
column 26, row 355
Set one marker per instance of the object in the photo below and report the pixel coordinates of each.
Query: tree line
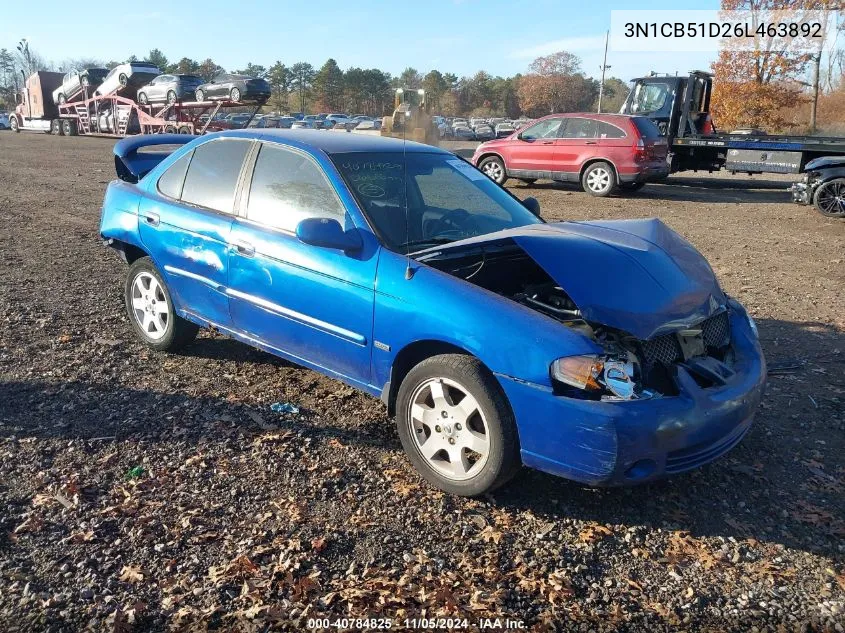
column 554, row 83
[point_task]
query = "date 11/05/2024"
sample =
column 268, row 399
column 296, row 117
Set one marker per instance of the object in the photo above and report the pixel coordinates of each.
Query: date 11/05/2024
column 429, row 624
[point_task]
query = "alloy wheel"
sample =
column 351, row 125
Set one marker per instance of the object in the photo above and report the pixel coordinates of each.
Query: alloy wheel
column 831, row 198
column 149, row 306
column 449, row 428
column 235, row 94
column 598, row 180
column 493, row 170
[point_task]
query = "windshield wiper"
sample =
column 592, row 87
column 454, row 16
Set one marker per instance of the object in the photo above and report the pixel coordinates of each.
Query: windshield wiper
column 434, row 241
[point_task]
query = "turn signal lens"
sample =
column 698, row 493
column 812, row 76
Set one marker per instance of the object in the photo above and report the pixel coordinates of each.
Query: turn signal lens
column 578, row 371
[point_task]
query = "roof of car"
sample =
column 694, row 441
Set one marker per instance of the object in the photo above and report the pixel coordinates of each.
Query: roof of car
column 335, row 142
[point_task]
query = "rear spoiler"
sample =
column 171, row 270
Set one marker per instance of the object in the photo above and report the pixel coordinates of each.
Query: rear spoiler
column 132, row 165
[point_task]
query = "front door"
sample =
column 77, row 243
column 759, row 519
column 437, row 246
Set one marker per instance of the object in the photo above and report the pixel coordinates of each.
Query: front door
column 534, row 148
column 315, row 304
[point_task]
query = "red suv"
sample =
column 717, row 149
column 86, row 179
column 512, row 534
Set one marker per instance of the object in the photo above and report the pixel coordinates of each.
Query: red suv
column 601, row 151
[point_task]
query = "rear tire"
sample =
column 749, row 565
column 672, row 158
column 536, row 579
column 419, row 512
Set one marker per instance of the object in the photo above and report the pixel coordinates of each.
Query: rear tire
column 494, row 169
column 123, row 79
column 68, row 127
column 422, row 417
column 599, row 179
column 151, row 311
column 829, row 198
column 170, row 129
column 171, row 97
column 185, row 130
column 62, row 99
column 56, row 127
column 13, row 124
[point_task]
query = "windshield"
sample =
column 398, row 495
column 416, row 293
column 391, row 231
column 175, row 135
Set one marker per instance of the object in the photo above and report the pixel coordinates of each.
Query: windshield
column 447, row 198
column 649, row 98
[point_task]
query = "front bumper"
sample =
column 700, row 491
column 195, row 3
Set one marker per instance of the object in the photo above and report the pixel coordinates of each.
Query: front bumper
column 625, row 443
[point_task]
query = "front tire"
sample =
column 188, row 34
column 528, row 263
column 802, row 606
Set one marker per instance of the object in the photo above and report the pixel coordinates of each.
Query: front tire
column 142, row 98
column 62, row 99
column 123, row 79
column 235, row 95
column 599, row 179
column 171, row 97
column 199, row 95
column 829, row 198
column 13, row 124
column 494, row 169
column 68, row 127
column 456, row 425
column 151, row 311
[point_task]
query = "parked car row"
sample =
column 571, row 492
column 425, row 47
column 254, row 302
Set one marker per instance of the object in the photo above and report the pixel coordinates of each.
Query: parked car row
column 477, row 129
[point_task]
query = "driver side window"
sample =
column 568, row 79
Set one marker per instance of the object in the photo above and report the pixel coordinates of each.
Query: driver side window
column 548, row 128
column 288, row 187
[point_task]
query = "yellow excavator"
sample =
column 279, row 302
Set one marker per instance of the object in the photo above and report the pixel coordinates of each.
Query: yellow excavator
column 410, row 118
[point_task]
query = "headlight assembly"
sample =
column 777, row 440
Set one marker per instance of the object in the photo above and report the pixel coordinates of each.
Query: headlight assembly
column 615, row 377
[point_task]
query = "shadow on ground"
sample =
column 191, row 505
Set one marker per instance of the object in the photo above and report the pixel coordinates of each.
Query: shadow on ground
column 752, row 492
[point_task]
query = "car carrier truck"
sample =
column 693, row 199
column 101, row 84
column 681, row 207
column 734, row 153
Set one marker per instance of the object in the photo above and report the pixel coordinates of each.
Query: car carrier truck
column 680, row 106
column 113, row 114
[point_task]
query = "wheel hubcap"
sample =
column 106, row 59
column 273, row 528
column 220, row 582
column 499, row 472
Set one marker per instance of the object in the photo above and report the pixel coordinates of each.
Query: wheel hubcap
column 149, row 306
column 598, row 179
column 449, row 429
column 493, row 170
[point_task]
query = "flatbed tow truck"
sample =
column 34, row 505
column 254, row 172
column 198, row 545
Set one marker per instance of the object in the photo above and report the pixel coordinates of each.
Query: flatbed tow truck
column 680, row 106
column 112, row 115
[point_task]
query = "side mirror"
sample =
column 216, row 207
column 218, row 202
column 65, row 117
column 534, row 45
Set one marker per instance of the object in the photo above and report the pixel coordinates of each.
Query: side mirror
column 328, row 233
column 533, row 205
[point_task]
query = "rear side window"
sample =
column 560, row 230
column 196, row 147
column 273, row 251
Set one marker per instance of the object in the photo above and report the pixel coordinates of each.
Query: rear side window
column 646, row 127
column 288, row 187
column 608, row 130
column 171, row 181
column 579, row 128
column 213, row 174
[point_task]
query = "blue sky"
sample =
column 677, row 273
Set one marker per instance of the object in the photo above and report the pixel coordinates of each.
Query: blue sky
column 459, row 36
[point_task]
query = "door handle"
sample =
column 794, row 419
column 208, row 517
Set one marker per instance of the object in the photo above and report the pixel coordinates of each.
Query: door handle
column 244, row 248
column 151, row 218
column 590, row 142
column 547, row 143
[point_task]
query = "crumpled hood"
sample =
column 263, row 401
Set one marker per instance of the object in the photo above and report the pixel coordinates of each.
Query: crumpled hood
column 635, row 275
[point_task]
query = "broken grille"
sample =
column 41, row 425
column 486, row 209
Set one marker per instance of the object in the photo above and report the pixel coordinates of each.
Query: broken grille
column 666, row 350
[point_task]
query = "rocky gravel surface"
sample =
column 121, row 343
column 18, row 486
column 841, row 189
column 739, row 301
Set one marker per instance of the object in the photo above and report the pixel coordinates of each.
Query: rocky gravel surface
column 149, row 492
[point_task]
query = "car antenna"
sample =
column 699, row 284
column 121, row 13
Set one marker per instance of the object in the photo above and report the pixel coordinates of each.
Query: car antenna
column 409, row 272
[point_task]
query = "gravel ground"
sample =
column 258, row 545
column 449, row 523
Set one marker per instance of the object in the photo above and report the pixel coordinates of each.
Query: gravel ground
column 147, row 492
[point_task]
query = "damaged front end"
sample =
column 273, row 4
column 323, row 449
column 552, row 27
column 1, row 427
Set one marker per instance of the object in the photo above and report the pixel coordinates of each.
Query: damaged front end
column 634, row 288
column 674, row 374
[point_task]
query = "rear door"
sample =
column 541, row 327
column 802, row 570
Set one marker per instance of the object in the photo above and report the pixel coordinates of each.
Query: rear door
column 315, row 304
column 185, row 226
column 532, row 152
column 577, row 143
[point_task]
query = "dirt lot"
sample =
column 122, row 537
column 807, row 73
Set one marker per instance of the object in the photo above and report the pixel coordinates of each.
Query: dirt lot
column 150, row 492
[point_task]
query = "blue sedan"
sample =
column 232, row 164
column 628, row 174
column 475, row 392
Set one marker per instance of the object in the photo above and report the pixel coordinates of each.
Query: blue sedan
column 605, row 352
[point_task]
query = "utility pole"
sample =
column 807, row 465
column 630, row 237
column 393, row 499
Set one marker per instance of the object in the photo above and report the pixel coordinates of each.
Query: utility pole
column 604, row 67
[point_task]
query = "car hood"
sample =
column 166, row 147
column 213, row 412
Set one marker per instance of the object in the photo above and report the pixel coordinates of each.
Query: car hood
column 634, row 275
